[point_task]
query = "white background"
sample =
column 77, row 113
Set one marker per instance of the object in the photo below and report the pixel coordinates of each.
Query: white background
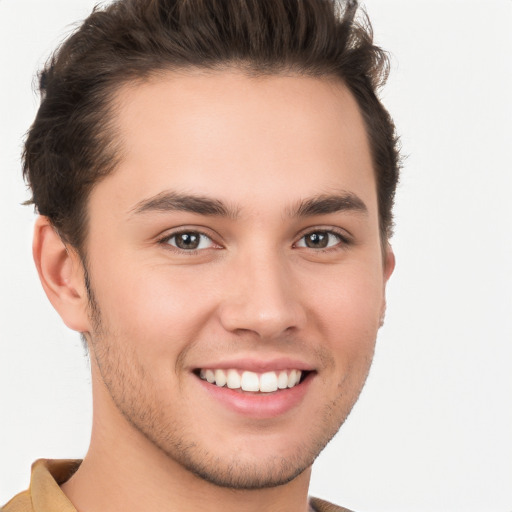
column 433, row 428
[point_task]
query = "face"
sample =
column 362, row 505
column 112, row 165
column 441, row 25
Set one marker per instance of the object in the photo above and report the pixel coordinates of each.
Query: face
column 236, row 271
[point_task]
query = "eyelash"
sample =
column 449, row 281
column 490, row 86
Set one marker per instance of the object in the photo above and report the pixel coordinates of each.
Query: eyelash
column 343, row 240
column 189, row 252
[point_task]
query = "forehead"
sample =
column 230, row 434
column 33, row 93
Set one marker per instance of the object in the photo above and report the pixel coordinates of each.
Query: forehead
column 242, row 139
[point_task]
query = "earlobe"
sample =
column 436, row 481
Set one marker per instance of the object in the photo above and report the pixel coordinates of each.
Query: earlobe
column 389, row 266
column 389, row 262
column 61, row 273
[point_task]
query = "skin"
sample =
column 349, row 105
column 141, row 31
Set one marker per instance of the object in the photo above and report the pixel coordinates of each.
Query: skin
column 253, row 290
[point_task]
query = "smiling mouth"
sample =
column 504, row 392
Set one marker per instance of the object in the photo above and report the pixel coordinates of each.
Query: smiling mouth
column 267, row 382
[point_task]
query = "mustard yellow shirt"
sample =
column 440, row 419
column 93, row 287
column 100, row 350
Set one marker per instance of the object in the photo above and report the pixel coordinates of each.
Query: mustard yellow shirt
column 45, row 495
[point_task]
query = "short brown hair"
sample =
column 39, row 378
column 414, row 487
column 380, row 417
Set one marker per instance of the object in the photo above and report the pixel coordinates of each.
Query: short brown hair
column 71, row 144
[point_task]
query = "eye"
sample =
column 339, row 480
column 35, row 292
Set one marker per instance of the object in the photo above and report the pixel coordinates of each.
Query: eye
column 320, row 240
column 189, row 241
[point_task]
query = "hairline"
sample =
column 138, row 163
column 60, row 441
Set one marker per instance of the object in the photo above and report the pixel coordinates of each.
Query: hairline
column 112, row 142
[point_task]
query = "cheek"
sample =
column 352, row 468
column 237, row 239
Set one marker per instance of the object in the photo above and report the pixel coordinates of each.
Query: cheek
column 348, row 320
column 348, row 309
column 156, row 311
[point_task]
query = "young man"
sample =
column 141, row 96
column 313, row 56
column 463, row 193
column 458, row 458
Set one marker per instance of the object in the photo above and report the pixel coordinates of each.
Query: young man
column 215, row 183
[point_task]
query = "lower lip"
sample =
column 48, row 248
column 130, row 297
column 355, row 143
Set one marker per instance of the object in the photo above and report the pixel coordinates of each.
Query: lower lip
column 259, row 405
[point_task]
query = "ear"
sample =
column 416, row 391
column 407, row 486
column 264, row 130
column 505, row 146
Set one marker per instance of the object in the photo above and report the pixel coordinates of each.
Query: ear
column 61, row 273
column 388, row 267
column 389, row 262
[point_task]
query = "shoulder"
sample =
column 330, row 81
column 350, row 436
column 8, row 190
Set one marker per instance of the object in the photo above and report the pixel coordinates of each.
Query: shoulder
column 319, row 505
column 20, row 503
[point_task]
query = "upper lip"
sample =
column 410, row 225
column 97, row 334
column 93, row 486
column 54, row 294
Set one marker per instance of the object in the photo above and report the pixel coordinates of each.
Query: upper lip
column 259, row 365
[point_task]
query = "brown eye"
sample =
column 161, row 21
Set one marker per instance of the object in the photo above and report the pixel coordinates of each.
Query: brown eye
column 319, row 240
column 190, row 241
column 316, row 240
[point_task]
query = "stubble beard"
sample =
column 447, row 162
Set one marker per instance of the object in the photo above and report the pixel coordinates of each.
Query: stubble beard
column 132, row 391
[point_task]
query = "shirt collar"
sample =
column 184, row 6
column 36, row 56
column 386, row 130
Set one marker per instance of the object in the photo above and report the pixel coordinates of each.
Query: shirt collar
column 46, row 477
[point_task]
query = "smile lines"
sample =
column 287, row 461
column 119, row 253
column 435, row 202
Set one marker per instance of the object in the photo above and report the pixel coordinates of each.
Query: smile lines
column 267, row 382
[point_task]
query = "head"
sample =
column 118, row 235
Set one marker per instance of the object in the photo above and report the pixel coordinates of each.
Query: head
column 224, row 174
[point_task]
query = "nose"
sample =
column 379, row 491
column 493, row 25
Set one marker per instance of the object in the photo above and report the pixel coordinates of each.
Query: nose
column 262, row 297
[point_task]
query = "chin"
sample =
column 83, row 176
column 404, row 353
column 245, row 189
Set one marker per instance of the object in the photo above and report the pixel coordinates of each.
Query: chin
column 248, row 462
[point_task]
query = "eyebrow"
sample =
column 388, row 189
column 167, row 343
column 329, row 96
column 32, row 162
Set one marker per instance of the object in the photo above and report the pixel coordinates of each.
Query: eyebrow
column 174, row 201
column 201, row 205
column 329, row 203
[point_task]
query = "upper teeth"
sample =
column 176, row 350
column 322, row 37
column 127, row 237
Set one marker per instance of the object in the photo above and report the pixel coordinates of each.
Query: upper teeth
column 250, row 381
